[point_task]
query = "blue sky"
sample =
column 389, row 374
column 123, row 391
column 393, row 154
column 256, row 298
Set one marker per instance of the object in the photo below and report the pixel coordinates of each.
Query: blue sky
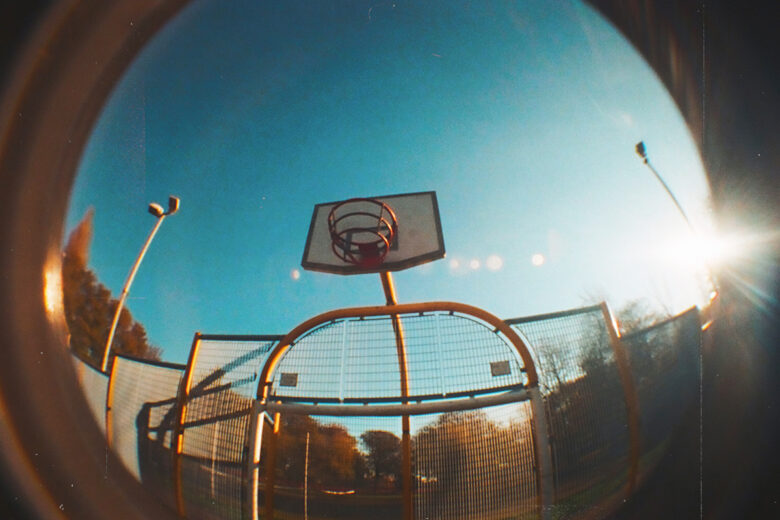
column 523, row 120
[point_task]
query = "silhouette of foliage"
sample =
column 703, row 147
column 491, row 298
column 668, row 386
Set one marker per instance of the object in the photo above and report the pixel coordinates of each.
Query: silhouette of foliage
column 333, row 453
column 89, row 307
column 639, row 314
column 384, row 457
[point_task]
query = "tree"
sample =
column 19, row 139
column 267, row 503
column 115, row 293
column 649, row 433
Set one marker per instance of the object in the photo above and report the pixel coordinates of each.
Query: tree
column 333, row 453
column 384, row 456
column 89, row 308
column 638, row 314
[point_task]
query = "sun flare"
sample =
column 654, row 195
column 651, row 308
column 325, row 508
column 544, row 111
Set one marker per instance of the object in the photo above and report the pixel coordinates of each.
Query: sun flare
column 704, row 251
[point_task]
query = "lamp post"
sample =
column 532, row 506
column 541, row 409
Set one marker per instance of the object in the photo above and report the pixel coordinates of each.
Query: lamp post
column 156, row 210
column 641, row 151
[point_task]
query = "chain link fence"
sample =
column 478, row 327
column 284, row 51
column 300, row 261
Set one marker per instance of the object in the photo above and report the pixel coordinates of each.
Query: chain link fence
column 665, row 364
column 140, row 412
column 214, row 424
column 346, row 427
column 94, row 383
column 585, row 403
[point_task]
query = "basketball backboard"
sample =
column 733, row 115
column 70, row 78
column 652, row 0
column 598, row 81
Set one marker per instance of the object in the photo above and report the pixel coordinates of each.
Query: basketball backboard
column 374, row 234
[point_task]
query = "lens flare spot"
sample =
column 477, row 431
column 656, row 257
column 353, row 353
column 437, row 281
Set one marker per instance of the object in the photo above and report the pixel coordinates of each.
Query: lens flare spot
column 295, row 274
column 474, row 264
column 454, row 264
column 538, row 259
column 494, row 262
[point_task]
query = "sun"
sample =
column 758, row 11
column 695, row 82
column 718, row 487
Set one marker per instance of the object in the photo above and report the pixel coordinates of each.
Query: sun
column 704, row 251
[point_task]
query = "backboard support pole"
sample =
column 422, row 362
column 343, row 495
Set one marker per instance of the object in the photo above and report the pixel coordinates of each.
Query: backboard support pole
column 406, row 441
column 389, row 287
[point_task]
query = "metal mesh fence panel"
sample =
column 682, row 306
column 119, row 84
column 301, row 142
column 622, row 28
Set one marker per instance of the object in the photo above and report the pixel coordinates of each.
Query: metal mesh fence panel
column 345, row 359
column 336, row 467
column 215, row 429
column 357, row 359
column 142, row 420
column 475, row 464
column 466, row 464
column 665, row 368
column 94, row 384
column 472, row 464
column 586, row 407
column 450, row 354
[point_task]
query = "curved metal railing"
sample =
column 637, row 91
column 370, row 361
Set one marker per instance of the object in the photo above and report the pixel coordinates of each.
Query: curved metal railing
column 550, row 415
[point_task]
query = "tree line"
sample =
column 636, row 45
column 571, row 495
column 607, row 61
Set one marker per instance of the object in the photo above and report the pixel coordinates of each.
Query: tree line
column 448, row 454
column 90, row 308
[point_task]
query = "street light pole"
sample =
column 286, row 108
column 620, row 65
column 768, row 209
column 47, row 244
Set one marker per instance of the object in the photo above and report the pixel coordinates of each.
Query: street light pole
column 642, row 153
column 156, row 210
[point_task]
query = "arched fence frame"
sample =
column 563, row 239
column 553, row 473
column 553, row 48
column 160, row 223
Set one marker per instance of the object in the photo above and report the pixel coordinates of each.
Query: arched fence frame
column 492, row 324
column 214, row 418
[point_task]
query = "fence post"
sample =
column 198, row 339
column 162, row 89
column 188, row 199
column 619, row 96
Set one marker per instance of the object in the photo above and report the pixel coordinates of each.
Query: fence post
column 543, row 458
column 178, row 437
column 540, row 428
column 270, row 474
column 629, row 392
column 252, row 467
column 110, row 403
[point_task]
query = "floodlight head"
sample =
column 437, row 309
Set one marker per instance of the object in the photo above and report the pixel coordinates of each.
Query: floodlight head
column 640, row 150
column 156, row 210
column 173, row 205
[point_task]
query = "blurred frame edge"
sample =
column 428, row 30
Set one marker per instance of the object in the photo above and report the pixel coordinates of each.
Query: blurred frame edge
column 47, row 441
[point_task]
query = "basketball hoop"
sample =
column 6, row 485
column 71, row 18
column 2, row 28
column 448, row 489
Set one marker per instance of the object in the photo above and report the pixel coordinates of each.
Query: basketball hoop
column 362, row 231
column 364, row 235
